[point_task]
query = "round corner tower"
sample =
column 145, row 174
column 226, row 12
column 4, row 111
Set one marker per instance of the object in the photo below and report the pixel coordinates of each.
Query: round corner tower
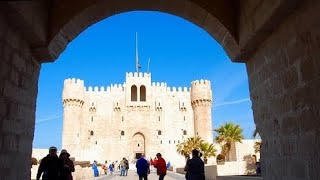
column 73, row 100
column 201, row 101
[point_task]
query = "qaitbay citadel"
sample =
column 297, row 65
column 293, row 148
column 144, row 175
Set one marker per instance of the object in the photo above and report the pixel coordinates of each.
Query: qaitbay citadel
column 133, row 118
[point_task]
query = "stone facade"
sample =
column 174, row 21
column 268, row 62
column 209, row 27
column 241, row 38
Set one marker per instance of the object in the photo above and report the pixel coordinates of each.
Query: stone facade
column 139, row 116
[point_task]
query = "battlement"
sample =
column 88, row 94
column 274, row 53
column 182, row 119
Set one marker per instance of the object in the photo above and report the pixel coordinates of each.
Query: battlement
column 177, row 89
column 111, row 88
column 73, row 89
column 163, row 87
column 201, row 91
column 201, row 82
column 138, row 75
column 73, row 81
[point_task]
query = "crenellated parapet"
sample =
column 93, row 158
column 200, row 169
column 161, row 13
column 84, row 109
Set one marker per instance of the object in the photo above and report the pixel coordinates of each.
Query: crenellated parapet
column 135, row 75
column 114, row 88
column 201, row 93
column 73, row 92
column 162, row 87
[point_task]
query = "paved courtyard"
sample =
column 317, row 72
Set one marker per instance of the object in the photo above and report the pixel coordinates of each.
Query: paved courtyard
column 132, row 175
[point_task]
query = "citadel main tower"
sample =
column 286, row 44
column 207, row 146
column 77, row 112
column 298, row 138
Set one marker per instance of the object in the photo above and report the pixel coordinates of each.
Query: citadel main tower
column 73, row 100
column 201, row 101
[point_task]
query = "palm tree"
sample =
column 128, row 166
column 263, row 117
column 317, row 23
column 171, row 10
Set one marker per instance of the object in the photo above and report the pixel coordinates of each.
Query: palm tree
column 208, row 150
column 257, row 146
column 228, row 134
column 185, row 148
column 194, row 142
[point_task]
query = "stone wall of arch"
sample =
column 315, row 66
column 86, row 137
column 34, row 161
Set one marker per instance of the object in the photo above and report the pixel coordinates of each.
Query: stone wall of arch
column 281, row 52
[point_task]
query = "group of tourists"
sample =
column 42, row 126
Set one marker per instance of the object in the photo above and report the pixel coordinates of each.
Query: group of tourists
column 143, row 167
column 53, row 167
column 123, row 167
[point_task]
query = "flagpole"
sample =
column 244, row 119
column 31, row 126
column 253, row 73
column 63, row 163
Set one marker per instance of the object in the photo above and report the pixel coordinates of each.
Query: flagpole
column 148, row 65
column 137, row 55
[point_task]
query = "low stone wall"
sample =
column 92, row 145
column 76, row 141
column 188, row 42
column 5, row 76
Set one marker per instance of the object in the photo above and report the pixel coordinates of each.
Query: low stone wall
column 85, row 173
column 210, row 171
column 235, row 168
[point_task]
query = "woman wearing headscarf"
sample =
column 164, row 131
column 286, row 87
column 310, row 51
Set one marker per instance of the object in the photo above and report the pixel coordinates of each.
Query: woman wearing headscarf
column 68, row 166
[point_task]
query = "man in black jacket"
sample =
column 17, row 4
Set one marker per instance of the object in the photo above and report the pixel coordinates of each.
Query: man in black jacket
column 50, row 166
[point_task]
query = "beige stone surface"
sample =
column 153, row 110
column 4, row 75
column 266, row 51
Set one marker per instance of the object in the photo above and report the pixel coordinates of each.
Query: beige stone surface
column 105, row 124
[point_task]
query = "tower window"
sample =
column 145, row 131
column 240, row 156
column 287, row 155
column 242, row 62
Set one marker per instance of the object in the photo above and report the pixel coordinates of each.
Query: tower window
column 184, row 118
column 122, row 118
column 174, row 141
column 91, row 133
column 169, row 141
column 122, row 133
column 134, row 93
column 96, row 142
column 142, row 93
column 161, row 142
column 184, row 132
column 91, row 118
column 159, row 118
column 159, row 132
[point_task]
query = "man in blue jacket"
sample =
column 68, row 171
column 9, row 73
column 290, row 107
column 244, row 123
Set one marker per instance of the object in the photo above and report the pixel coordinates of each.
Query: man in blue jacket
column 142, row 166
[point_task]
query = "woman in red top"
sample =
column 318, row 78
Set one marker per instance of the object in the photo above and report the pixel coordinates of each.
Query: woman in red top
column 161, row 167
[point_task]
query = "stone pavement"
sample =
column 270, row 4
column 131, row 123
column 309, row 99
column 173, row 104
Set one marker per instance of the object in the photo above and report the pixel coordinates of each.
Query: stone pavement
column 132, row 175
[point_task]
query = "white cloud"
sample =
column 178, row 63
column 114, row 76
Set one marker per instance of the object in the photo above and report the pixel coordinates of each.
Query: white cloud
column 232, row 102
column 49, row 118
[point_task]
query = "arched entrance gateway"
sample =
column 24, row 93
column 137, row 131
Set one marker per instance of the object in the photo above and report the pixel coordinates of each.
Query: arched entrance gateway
column 137, row 145
column 279, row 40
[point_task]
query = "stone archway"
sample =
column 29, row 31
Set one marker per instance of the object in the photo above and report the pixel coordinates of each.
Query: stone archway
column 138, row 145
column 278, row 40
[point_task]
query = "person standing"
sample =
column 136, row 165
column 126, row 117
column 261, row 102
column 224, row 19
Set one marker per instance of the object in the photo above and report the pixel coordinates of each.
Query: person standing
column 126, row 162
column 67, row 167
column 195, row 167
column 111, row 167
column 50, row 166
column 122, row 167
column 105, row 167
column 142, row 166
column 161, row 166
column 95, row 169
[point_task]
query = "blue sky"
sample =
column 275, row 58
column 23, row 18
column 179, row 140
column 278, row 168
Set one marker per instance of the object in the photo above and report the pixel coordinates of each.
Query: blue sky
column 180, row 52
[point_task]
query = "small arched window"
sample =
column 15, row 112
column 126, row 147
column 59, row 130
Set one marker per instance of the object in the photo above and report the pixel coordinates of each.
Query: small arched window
column 184, row 132
column 161, row 142
column 122, row 133
column 159, row 118
column 91, row 133
column 159, row 132
column 143, row 93
column 134, row 93
column 169, row 141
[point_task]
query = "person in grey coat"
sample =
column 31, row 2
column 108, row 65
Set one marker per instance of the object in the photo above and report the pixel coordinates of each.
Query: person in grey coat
column 195, row 167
